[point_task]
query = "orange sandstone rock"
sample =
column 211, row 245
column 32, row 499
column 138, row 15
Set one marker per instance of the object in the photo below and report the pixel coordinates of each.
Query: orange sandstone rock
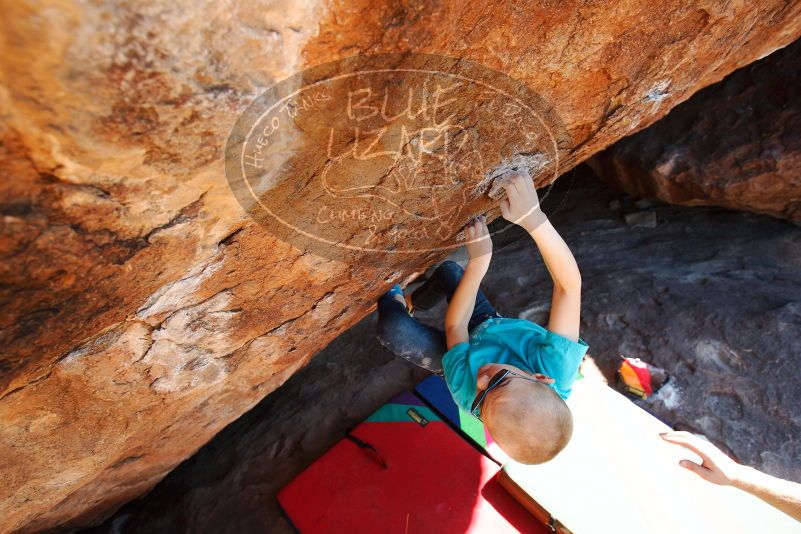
column 143, row 309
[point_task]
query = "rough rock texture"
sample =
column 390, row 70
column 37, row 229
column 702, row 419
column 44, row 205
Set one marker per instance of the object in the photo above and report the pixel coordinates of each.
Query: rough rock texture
column 734, row 144
column 712, row 296
column 142, row 311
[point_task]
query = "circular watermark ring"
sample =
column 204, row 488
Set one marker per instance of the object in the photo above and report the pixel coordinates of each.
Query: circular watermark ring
column 387, row 154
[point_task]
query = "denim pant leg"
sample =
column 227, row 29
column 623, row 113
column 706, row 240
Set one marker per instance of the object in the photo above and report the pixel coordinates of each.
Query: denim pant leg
column 445, row 280
column 407, row 337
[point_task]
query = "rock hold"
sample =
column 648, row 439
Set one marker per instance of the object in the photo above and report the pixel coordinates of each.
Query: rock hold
column 531, row 164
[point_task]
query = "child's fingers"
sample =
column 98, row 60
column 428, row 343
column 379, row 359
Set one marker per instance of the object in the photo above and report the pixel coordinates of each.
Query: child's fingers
column 476, row 228
column 511, row 190
column 529, row 185
column 523, row 182
column 505, row 208
column 510, row 187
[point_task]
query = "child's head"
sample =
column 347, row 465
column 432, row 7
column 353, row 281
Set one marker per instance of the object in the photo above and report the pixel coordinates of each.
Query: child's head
column 526, row 418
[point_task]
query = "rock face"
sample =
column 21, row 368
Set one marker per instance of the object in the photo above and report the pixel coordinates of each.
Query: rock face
column 142, row 309
column 712, row 296
column 734, row 144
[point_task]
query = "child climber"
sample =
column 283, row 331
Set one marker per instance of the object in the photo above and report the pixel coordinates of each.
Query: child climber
column 511, row 374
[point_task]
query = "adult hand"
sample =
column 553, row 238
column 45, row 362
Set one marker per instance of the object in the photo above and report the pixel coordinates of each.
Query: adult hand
column 716, row 467
column 479, row 242
column 521, row 205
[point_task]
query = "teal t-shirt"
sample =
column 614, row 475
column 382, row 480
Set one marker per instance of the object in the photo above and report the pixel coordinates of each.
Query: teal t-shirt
column 515, row 342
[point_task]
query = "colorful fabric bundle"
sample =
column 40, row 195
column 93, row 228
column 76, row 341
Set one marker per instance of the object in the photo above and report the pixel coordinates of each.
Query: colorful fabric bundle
column 640, row 379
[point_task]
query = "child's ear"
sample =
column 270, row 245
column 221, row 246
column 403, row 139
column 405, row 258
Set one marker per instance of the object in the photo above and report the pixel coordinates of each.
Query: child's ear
column 545, row 379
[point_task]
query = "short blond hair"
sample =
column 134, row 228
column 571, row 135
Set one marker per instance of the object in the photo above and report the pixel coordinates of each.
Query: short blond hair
column 531, row 422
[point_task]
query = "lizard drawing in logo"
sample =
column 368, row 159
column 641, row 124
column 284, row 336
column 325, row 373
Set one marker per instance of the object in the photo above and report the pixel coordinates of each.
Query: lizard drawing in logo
column 424, row 172
column 387, row 154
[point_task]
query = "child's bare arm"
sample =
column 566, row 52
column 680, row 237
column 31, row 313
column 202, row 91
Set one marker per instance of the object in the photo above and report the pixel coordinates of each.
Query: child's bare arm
column 460, row 308
column 521, row 206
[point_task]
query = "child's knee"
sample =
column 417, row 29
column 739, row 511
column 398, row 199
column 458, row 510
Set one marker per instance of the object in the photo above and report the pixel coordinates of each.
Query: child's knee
column 449, row 273
column 451, row 269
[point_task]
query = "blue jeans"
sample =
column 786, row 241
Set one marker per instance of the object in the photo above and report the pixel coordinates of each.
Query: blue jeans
column 419, row 343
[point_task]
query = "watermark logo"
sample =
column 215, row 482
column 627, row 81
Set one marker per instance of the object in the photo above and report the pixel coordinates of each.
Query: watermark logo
column 387, row 154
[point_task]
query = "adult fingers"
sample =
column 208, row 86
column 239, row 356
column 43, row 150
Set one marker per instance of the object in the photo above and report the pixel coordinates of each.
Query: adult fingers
column 699, row 470
column 680, row 438
column 675, row 436
column 689, row 441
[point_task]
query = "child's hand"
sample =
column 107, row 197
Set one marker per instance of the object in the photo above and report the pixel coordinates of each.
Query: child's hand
column 479, row 242
column 521, row 205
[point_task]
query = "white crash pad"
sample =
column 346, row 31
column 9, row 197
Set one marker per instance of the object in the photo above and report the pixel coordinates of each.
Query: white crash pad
column 617, row 475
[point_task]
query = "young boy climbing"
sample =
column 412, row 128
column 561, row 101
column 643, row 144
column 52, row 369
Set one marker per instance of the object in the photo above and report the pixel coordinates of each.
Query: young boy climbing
column 512, row 374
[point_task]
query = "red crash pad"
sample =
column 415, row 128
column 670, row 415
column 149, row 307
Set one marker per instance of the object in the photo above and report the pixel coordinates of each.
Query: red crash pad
column 405, row 471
